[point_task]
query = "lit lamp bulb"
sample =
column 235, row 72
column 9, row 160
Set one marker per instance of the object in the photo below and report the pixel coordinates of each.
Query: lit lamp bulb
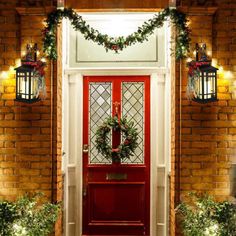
column 43, row 59
column 189, row 59
column 4, row 75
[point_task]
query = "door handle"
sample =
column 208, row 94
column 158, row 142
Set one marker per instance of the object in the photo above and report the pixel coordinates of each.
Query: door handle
column 84, row 191
column 85, row 148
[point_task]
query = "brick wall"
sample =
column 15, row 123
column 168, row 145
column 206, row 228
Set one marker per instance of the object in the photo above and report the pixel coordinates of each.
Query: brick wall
column 26, row 133
column 30, row 134
column 205, row 145
column 207, row 132
column 203, row 136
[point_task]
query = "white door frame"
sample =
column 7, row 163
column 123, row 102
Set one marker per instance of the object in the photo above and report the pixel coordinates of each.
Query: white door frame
column 160, row 145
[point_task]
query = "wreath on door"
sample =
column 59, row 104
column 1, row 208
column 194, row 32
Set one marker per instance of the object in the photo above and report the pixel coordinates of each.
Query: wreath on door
column 129, row 136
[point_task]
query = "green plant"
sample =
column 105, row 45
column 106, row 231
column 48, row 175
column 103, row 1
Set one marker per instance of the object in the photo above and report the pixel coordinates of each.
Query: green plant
column 203, row 216
column 27, row 217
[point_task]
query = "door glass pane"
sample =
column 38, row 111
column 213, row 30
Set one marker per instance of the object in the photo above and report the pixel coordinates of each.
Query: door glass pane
column 133, row 109
column 100, row 95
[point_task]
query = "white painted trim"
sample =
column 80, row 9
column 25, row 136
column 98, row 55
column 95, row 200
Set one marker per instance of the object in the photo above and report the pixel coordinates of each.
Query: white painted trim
column 72, row 127
column 160, row 131
column 154, row 151
column 116, row 71
column 158, row 140
column 78, row 158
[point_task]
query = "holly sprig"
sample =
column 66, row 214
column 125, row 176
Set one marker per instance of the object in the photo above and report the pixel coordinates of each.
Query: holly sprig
column 117, row 43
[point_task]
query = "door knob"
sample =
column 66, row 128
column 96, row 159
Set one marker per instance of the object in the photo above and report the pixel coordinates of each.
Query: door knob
column 85, row 148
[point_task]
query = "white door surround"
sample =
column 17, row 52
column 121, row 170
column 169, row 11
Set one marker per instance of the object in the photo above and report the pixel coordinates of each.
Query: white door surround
column 73, row 130
column 160, row 139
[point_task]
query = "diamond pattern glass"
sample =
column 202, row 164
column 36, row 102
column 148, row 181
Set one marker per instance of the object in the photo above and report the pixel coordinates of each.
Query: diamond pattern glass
column 100, row 95
column 133, row 109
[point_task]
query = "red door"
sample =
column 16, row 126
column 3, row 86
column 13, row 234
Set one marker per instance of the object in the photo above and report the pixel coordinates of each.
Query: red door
column 116, row 197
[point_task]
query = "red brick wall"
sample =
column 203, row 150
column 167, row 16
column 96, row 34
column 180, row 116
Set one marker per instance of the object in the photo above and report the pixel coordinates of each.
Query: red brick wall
column 203, row 136
column 207, row 132
column 30, row 134
column 26, row 134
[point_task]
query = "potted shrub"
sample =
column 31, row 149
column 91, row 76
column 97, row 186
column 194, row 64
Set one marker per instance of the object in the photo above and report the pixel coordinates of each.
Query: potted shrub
column 203, row 216
column 27, row 217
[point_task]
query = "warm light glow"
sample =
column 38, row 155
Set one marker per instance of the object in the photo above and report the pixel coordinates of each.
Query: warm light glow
column 228, row 75
column 208, row 53
column 116, row 24
column 221, row 69
column 11, row 70
column 214, row 62
column 4, row 75
column 43, row 59
column 38, row 52
column 23, row 53
column 189, row 59
column 18, row 62
column 194, row 52
column 44, row 23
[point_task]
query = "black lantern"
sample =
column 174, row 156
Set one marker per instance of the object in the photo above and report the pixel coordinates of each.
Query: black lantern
column 27, row 78
column 26, row 84
column 206, row 84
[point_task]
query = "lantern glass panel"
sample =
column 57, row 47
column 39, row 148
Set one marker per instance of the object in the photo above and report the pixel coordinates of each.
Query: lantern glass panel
column 207, row 84
column 34, row 85
column 26, row 84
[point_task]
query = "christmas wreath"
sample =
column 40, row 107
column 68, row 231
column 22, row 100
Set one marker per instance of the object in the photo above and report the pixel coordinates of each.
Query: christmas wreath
column 129, row 138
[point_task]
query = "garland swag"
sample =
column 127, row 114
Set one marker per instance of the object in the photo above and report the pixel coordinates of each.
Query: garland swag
column 119, row 43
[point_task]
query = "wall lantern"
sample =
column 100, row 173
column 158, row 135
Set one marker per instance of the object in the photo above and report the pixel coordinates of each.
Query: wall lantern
column 204, row 76
column 207, row 84
column 29, row 76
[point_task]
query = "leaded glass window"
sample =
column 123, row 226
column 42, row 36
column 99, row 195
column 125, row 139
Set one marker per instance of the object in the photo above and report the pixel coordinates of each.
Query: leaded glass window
column 100, row 107
column 133, row 109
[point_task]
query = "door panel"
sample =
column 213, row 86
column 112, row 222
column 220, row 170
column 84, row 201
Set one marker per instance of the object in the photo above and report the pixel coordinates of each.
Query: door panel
column 110, row 205
column 116, row 196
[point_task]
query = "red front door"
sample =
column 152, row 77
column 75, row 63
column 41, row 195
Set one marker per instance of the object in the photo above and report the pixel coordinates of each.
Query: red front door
column 116, row 197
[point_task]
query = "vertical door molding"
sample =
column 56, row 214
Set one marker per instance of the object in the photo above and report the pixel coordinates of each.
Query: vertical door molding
column 73, row 126
column 159, row 153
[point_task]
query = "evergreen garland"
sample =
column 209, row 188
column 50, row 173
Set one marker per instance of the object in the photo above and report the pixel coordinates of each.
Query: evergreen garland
column 118, row 43
column 130, row 138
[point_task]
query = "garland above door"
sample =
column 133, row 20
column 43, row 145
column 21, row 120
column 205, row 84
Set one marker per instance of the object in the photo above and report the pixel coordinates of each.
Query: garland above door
column 177, row 18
